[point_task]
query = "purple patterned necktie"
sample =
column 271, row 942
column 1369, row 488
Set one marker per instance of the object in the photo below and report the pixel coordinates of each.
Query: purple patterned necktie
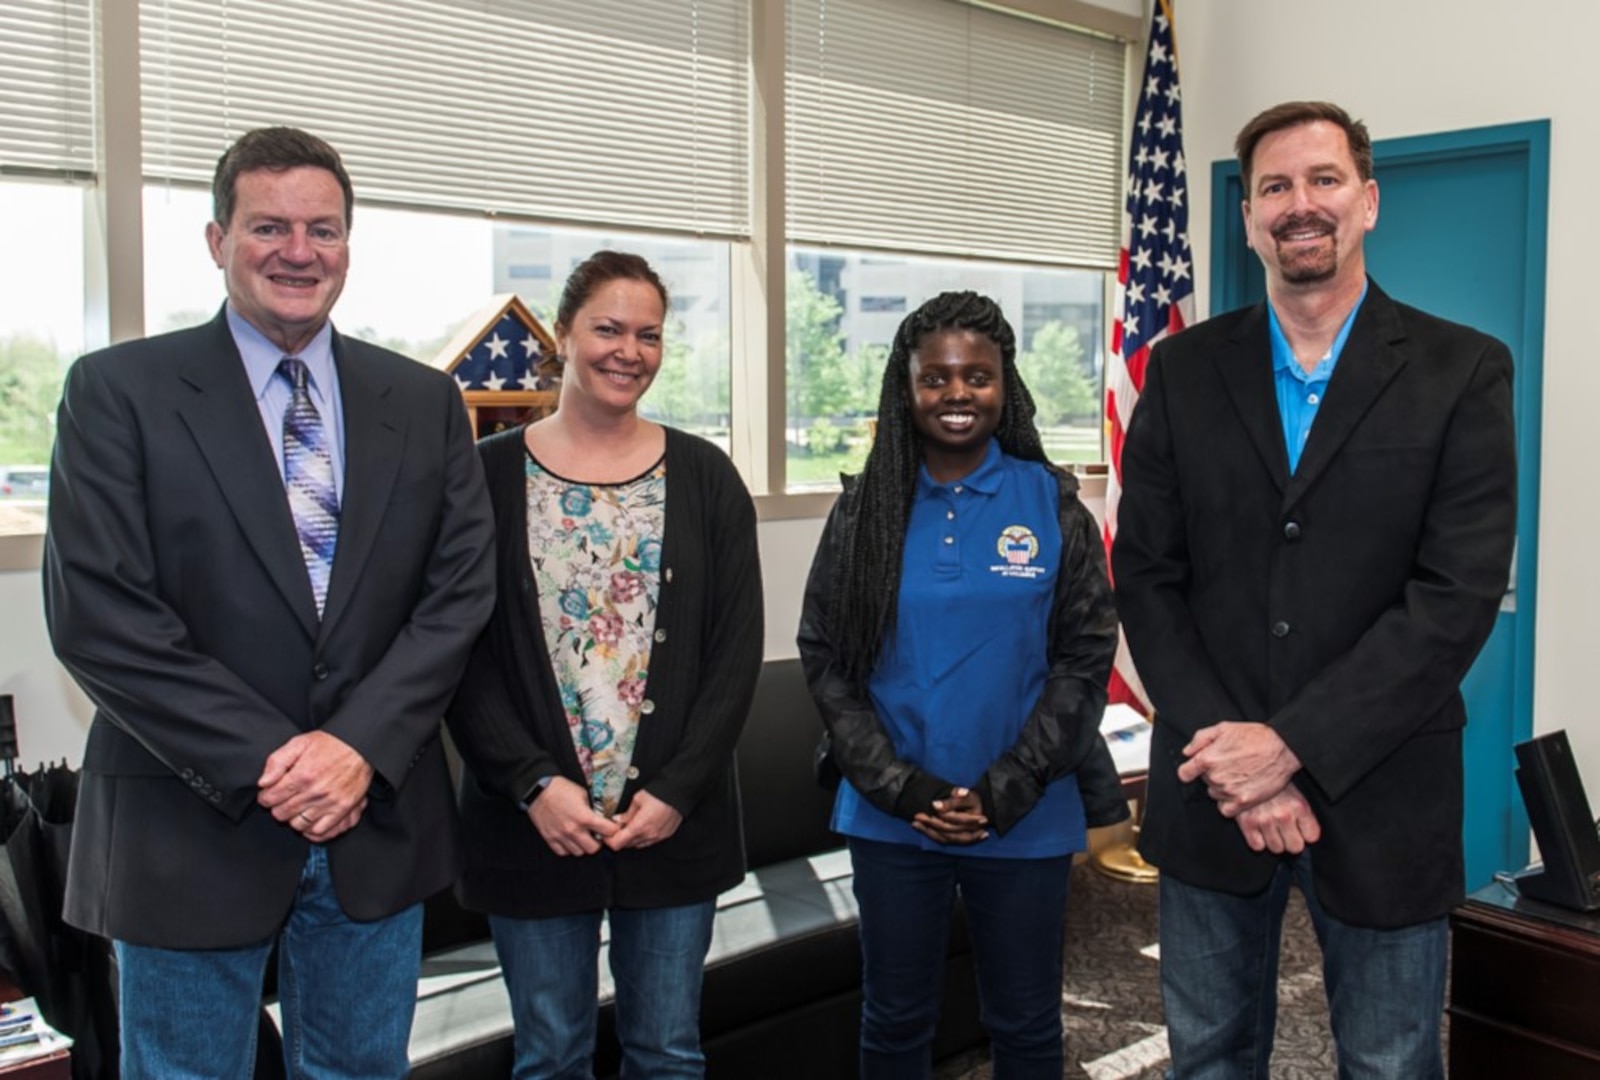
column 308, row 477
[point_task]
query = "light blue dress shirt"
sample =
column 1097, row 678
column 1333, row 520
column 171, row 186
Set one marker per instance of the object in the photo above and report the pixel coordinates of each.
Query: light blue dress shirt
column 273, row 391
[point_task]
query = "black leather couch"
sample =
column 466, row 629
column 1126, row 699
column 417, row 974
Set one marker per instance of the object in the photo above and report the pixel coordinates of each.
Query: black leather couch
column 782, row 990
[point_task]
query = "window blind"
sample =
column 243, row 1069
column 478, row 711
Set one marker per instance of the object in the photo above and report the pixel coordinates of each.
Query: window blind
column 616, row 113
column 47, row 88
column 941, row 127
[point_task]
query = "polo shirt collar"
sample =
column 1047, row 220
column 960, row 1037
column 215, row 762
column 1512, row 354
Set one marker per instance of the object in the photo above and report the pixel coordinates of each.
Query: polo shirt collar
column 1283, row 356
column 986, row 479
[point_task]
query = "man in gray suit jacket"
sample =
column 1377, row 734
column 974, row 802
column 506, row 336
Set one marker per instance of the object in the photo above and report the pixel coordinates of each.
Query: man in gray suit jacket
column 269, row 553
column 1314, row 535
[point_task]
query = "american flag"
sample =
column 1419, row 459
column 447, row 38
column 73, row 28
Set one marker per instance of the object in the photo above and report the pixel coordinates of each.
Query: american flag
column 1155, row 275
column 505, row 358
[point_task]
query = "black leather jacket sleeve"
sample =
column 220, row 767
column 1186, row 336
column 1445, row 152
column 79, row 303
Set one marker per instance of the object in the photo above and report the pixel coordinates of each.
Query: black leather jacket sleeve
column 861, row 747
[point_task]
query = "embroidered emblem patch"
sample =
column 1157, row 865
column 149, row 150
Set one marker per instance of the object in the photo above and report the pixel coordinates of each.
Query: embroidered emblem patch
column 1017, row 545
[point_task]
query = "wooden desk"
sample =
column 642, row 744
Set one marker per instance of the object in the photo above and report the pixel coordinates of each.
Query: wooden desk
column 56, row 1066
column 1524, row 989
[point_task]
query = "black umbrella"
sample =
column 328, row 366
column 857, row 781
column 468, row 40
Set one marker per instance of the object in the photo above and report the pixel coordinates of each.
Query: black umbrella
column 71, row 974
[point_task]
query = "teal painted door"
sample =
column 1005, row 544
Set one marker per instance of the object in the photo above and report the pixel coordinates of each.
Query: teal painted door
column 1461, row 234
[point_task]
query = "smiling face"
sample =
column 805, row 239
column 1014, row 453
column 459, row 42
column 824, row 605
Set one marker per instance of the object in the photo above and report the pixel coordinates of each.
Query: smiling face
column 957, row 396
column 1308, row 210
column 285, row 251
column 612, row 350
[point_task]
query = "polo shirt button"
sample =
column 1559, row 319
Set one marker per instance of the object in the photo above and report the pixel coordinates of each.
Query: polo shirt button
column 958, row 489
column 647, row 706
column 319, row 671
column 949, row 539
column 660, row 635
column 1291, row 530
column 1280, row 629
column 949, row 515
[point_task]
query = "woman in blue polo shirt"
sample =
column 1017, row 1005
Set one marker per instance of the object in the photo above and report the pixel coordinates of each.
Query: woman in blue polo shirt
column 957, row 634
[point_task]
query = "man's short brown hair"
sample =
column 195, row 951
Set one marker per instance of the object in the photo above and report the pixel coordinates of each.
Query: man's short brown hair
column 1292, row 114
column 276, row 149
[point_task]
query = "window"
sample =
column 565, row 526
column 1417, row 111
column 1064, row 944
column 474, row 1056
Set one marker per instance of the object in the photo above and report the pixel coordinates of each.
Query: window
column 837, row 351
column 692, row 390
column 486, row 155
column 41, row 332
column 415, row 277
column 618, row 113
column 943, row 145
column 927, row 141
column 46, row 88
column 47, row 149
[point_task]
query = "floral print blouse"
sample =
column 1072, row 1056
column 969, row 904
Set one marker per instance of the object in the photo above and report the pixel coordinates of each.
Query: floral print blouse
column 596, row 555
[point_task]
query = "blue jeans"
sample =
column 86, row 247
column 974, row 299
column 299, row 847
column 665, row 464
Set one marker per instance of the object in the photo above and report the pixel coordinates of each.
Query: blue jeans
column 552, row 971
column 1219, row 984
column 1015, row 909
column 348, row 991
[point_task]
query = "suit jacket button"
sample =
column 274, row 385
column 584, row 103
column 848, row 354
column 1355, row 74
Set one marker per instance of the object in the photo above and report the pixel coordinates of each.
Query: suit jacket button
column 1291, row 530
column 319, row 671
column 660, row 636
column 633, row 772
column 1280, row 629
column 647, row 706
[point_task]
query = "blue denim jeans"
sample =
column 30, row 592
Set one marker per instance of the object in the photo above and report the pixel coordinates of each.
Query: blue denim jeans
column 552, row 972
column 1015, row 909
column 348, row 991
column 1219, row 984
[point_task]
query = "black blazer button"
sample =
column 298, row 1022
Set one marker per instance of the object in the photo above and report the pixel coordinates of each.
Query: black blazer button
column 319, row 671
column 1280, row 629
column 1291, row 530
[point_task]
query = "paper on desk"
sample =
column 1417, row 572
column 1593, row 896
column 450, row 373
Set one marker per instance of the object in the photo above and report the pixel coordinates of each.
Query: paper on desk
column 1127, row 733
column 48, row 1040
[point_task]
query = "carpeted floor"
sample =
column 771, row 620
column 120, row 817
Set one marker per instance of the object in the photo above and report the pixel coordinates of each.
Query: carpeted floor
column 1112, row 998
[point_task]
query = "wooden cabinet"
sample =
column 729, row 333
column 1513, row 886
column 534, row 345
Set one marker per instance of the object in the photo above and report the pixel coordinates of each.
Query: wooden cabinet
column 1524, row 989
column 56, row 1066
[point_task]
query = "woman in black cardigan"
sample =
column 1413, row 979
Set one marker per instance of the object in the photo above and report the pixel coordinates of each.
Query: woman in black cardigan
column 599, row 713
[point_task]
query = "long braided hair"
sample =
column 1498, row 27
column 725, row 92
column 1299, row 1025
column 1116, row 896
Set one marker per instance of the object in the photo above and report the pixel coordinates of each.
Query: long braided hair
column 866, row 583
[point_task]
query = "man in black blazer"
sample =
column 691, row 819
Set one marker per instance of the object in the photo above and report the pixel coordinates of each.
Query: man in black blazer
column 1314, row 535
column 267, row 574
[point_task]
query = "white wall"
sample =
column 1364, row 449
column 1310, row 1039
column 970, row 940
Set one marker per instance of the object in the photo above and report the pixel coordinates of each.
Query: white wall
column 52, row 713
column 1411, row 69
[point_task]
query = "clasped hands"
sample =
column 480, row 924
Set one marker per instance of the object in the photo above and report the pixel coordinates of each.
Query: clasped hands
column 316, row 783
column 570, row 824
column 957, row 819
column 1247, row 769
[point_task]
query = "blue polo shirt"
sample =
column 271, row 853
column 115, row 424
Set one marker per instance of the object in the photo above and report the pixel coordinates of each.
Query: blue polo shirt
column 1300, row 392
column 968, row 659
